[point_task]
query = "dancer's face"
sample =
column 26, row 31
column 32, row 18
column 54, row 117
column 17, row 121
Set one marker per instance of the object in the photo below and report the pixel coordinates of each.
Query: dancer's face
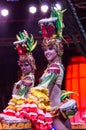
column 50, row 53
column 25, row 67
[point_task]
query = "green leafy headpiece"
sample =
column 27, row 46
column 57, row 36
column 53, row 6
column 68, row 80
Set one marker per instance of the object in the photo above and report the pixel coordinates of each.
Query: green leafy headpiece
column 52, row 27
column 25, row 44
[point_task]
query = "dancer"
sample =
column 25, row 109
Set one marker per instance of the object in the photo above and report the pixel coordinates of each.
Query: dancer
column 25, row 45
column 43, row 99
column 53, row 75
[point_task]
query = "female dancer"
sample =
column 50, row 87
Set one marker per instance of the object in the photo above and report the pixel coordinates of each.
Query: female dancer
column 43, row 99
column 25, row 45
column 53, row 75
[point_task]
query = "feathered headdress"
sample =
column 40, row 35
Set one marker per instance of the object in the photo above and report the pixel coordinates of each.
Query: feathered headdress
column 25, row 44
column 52, row 27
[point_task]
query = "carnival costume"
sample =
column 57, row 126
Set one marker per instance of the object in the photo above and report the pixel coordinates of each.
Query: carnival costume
column 25, row 45
column 8, row 119
column 37, row 107
column 40, row 105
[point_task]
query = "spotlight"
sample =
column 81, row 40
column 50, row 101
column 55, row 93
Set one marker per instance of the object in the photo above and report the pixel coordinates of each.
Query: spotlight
column 53, row 128
column 32, row 9
column 44, row 8
column 4, row 12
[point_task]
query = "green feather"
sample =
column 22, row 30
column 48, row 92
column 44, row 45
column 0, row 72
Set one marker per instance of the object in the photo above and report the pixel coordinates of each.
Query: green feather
column 59, row 23
column 21, row 36
column 66, row 94
column 34, row 46
column 18, row 38
column 30, row 44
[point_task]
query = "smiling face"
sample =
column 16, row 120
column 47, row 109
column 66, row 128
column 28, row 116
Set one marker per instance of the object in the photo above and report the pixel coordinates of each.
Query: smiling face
column 50, row 53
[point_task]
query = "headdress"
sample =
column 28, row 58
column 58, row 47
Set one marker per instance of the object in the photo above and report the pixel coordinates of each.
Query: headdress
column 51, row 29
column 25, row 45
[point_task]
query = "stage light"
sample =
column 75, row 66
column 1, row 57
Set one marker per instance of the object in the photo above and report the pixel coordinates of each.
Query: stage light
column 53, row 128
column 44, row 8
column 4, row 12
column 32, row 9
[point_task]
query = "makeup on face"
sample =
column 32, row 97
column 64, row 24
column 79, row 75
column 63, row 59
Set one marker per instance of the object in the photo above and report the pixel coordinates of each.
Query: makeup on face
column 25, row 67
column 50, row 53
